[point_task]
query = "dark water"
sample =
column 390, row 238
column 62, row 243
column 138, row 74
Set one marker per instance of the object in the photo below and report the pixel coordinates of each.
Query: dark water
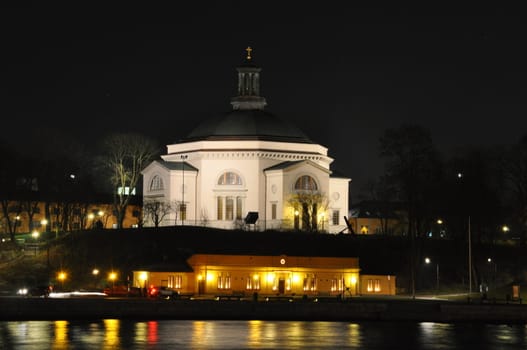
column 125, row 334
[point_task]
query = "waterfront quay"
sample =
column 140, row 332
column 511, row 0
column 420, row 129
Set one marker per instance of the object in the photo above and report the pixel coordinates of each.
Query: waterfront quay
column 355, row 309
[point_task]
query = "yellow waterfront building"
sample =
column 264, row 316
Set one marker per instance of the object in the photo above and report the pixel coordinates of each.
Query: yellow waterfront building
column 216, row 274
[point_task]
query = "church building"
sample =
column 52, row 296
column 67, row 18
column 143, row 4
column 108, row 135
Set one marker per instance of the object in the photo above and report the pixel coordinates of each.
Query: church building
column 247, row 169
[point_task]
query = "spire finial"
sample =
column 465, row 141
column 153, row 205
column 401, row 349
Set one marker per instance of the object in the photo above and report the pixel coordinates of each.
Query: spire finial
column 249, row 50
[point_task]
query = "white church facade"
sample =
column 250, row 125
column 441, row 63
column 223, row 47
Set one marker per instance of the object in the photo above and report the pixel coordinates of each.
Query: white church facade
column 247, row 169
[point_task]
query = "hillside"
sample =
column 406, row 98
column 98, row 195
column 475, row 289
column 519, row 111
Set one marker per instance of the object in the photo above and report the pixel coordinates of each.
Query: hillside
column 125, row 250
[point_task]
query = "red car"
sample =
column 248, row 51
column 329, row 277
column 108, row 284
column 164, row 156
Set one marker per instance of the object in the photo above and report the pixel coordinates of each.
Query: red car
column 161, row 292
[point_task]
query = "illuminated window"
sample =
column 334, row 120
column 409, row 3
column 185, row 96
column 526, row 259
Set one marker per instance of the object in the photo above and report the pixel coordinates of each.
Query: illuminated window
column 126, row 191
column 363, row 229
column 253, row 282
column 183, row 211
column 335, row 217
column 374, row 285
column 170, row 283
column 178, row 282
column 310, row 282
column 337, row 285
column 306, row 183
column 220, row 208
column 229, row 208
column 288, row 284
column 239, row 208
column 156, row 184
column 230, row 178
column 224, row 281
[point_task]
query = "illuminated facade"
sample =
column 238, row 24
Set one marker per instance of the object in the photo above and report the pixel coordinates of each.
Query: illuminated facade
column 210, row 274
column 246, row 161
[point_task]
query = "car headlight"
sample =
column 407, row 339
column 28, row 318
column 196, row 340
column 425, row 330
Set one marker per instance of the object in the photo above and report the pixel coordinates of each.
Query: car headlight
column 22, row 291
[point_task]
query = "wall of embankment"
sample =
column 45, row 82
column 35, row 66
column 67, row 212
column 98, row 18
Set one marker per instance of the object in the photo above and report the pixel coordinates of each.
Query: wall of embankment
column 353, row 310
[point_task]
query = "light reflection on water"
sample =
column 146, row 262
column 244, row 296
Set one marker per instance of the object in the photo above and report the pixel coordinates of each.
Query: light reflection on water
column 174, row 334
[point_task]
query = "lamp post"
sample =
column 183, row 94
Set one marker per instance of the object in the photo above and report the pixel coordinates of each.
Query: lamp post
column 460, row 176
column 17, row 222
column 296, row 220
column 494, row 267
column 95, row 273
column 428, row 261
column 61, row 277
column 91, row 217
column 44, row 224
column 112, row 276
column 35, row 234
column 469, row 260
column 183, row 207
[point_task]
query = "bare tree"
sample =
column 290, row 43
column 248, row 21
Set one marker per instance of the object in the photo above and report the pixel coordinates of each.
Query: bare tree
column 156, row 210
column 310, row 203
column 125, row 155
column 514, row 167
column 412, row 167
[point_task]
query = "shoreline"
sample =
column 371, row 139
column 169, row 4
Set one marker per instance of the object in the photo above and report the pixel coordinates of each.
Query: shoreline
column 350, row 310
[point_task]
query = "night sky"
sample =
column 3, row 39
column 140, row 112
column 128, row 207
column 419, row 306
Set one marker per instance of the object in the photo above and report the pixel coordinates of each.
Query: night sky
column 342, row 74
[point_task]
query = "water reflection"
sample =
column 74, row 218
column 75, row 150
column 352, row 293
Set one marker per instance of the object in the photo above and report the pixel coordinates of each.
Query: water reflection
column 255, row 333
column 111, row 334
column 355, row 335
column 61, row 335
column 127, row 334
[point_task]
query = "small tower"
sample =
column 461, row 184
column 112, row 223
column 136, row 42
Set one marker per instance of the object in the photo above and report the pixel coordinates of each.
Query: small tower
column 248, row 86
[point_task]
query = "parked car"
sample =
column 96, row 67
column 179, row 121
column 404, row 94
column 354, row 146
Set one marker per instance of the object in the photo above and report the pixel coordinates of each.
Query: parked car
column 122, row 291
column 161, row 292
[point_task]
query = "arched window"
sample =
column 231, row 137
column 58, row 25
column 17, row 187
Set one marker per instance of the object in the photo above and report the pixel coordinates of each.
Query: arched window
column 306, row 183
column 156, row 183
column 229, row 178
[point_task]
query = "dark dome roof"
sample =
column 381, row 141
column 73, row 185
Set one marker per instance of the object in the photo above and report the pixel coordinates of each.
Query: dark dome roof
column 251, row 124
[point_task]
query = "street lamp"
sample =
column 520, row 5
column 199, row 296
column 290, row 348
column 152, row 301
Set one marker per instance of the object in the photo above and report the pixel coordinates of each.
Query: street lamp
column 95, row 273
column 428, row 261
column 35, row 234
column 459, row 176
column 495, row 270
column 297, row 220
column 17, row 222
column 112, row 276
column 61, row 277
column 44, row 223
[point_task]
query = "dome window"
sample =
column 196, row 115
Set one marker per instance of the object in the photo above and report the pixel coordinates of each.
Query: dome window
column 306, row 183
column 230, row 178
column 156, row 184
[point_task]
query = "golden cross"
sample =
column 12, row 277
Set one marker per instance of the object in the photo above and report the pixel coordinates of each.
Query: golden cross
column 249, row 50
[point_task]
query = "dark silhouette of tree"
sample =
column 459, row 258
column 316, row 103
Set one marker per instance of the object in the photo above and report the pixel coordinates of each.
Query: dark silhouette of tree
column 8, row 174
column 380, row 196
column 123, row 158
column 156, row 210
column 412, row 169
column 514, row 165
